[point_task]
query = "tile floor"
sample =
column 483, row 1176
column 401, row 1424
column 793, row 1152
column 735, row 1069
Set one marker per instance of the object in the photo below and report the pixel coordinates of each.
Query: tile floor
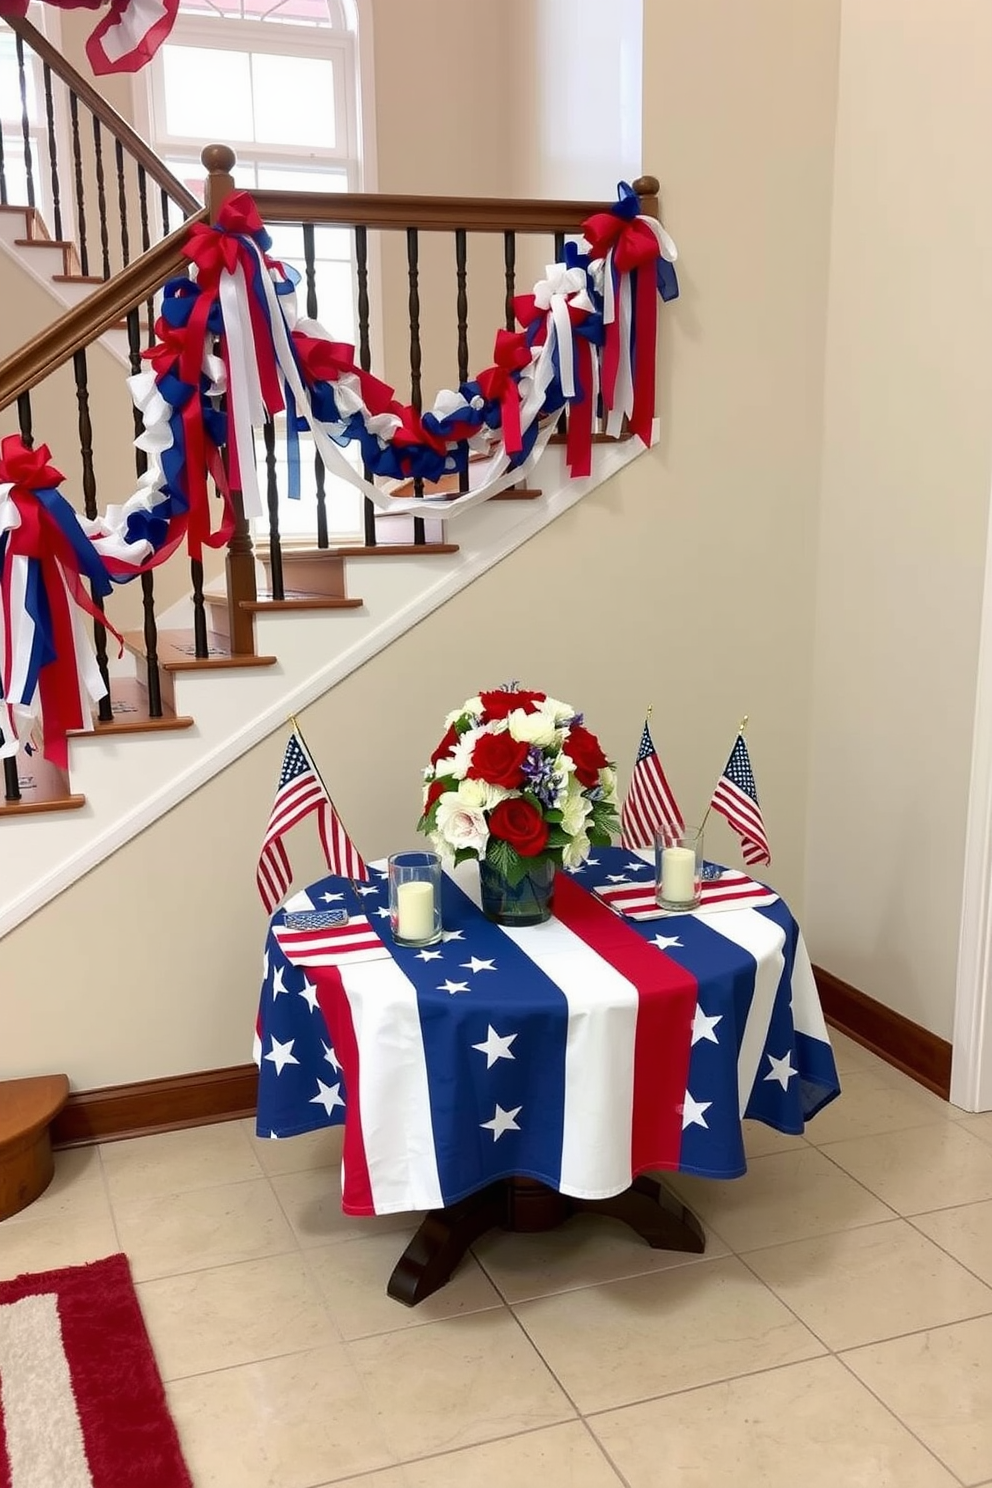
column 838, row 1329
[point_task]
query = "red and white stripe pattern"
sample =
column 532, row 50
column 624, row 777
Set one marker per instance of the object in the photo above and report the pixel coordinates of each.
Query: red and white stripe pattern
column 649, row 802
column 736, row 798
column 300, row 792
column 331, row 945
column 732, row 890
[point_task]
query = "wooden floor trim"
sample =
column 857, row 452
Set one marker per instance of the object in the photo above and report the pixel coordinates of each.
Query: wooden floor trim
column 146, row 1106
column 892, row 1036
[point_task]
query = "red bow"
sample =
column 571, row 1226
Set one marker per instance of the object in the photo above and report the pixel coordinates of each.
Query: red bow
column 634, row 246
column 632, row 240
column 512, row 355
column 239, row 214
column 28, row 467
column 527, row 311
column 326, row 361
column 169, row 347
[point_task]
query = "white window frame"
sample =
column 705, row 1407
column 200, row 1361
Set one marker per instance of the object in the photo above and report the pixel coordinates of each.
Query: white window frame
column 274, row 38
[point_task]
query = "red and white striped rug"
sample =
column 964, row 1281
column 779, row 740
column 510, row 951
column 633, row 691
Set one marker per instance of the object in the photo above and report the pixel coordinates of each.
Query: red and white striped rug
column 81, row 1400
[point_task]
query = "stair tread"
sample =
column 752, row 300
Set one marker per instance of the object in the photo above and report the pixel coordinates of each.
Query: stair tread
column 176, row 652
column 78, row 279
column 297, row 600
column 129, row 700
column 381, row 550
column 43, row 243
column 28, row 1105
column 35, row 801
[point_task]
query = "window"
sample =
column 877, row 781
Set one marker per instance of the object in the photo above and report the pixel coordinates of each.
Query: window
column 277, row 81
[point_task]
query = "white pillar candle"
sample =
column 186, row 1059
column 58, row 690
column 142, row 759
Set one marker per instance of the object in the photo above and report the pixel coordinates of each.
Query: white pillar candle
column 415, row 910
column 678, row 875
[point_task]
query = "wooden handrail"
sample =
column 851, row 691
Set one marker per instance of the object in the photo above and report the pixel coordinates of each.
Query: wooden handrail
column 439, row 213
column 81, row 326
column 138, row 148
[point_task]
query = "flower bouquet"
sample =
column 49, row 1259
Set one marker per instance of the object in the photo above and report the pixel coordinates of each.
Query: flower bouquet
column 521, row 784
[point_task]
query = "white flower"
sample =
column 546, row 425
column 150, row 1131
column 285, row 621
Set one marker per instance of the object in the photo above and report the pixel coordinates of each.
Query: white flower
column 557, row 710
column 460, row 757
column 575, row 809
column 479, row 795
column 459, row 826
column 608, row 780
column 472, row 706
column 531, row 728
column 574, row 853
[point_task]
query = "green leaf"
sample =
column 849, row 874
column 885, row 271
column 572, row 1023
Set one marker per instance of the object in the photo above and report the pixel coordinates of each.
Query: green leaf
column 553, row 816
column 464, row 855
column 504, row 858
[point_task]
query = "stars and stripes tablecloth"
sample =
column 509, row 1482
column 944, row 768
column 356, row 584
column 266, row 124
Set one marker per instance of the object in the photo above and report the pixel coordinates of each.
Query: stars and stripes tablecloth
column 580, row 1052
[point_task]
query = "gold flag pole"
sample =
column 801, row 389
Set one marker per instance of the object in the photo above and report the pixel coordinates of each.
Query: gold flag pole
column 740, row 733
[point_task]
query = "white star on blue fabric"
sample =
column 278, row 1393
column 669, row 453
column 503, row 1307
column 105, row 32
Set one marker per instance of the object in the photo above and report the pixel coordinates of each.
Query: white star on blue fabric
column 703, row 1026
column 327, row 1096
column 383, row 913
column 476, row 965
column 278, row 985
column 381, row 872
column 781, row 1070
column 452, row 935
column 496, row 1046
column 282, row 1054
column 591, row 863
column 664, row 941
column 503, row 1121
column 428, row 955
column 453, row 987
column 637, row 867
column 331, row 1057
column 309, row 995
column 366, row 889
column 693, row 1112
column 330, row 898
column 616, row 877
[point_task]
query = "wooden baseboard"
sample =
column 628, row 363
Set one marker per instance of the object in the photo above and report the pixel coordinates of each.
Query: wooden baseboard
column 136, row 1110
column 893, row 1037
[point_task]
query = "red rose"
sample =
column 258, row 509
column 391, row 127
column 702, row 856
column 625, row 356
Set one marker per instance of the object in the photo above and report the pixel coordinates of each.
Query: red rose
column 498, row 759
column 501, row 704
column 584, row 748
column 446, row 745
column 517, row 822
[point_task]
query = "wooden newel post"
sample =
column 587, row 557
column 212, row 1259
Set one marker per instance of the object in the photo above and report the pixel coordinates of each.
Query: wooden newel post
column 219, row 161
column 647, row 188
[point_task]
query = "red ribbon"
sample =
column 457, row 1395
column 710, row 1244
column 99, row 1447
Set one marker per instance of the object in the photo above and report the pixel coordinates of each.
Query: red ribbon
column 635, row 248
column 512, row 355
column 39, row 536
column 326, row 361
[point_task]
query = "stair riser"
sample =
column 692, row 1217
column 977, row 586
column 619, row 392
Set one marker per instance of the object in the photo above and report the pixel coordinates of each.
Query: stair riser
column 324, row 576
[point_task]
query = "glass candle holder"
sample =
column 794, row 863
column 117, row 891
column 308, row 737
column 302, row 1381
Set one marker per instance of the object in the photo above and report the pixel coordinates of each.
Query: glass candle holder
column 678, row 861
column 415, row 898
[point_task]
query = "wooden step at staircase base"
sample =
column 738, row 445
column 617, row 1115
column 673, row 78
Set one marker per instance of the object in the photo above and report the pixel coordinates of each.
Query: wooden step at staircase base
column 265, row 604
column 129, row 701
column 43, row 788
column 177, row 652
column 27, row 1109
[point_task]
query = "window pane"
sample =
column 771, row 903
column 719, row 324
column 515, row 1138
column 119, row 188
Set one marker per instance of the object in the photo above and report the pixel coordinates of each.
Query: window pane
column 207, row 93
column 294, row 100
column 10, row 83
column 301, row 178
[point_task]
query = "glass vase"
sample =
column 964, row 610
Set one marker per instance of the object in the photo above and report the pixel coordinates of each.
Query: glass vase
column 525, row 903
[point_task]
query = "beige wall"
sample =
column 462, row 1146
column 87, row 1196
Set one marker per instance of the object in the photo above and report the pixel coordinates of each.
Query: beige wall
column 906, row 475
column 686, row 581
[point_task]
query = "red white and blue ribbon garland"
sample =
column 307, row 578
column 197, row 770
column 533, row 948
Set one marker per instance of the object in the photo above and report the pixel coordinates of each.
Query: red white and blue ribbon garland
column 231, row 352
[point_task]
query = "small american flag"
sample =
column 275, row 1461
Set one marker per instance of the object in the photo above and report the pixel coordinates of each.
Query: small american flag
column 649, row 802
column 330, row 945
column 727, row 890
column 736, row 798
column 300, row 792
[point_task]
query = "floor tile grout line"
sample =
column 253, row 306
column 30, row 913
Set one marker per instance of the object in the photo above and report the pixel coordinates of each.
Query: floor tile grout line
column 896, row 1417
column 604, row 1451
column 110, row 1205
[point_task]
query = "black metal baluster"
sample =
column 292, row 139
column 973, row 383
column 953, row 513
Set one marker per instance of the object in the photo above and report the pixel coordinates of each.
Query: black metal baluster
column 147, row 579
column 146, row 242
column 53, row 152
column 101, row 195
column 272, row 494
column 25, row 120
column 11, row 784
column 165, row 213
column 77, row 160
column 413, row 277
column 122, row 203
column 510, row 275
column 461, row 311
column 106, row 712
column 310, row 266
column 364, row 353
column 24, row 419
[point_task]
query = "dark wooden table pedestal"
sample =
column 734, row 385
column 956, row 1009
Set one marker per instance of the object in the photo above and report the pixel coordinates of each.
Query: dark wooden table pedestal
column 525, row 1205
